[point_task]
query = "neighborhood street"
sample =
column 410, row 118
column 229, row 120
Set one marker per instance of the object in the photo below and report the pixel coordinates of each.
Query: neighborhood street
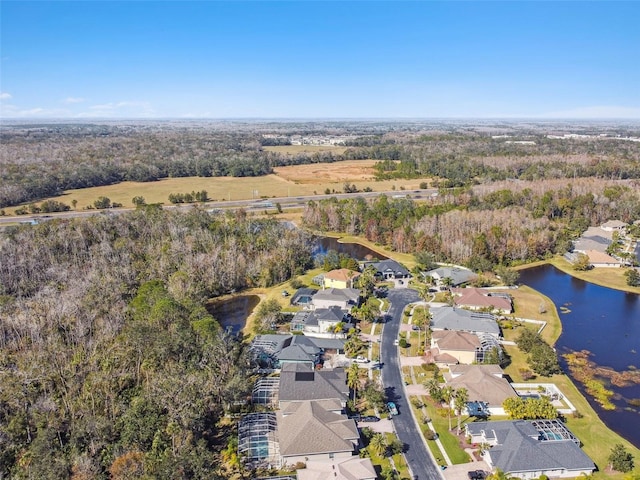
column 419, row 458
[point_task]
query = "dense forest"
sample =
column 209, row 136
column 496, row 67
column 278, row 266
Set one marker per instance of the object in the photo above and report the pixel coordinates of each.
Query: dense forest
column 483, row 226
column 110, row 365
column 39, row 161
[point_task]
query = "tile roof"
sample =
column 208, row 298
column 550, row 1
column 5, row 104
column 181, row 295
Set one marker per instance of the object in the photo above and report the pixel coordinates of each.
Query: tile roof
column 350, row 468
column 600, row 257
column 458, row 275
column 453, row 340
column 342, row 275
column 480, row 298
column 520, row 448
column 392, row 266
column 482, row 383
column 300, row 382
column 450, row 318
column 311, row 429
column 338, row 294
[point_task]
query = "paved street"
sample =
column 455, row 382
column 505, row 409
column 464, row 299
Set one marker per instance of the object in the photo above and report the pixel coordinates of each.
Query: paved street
column 420, row 461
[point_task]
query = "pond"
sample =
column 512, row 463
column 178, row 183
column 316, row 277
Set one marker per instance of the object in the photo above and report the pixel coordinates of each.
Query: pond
column 605, row 322
column 354, row 250
column 232, row 313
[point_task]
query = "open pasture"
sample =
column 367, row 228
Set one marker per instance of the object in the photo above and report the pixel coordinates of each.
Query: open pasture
column 292, row 181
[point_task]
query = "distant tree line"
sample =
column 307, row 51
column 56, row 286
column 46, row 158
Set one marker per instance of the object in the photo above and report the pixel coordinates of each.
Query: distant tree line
column 40, row 161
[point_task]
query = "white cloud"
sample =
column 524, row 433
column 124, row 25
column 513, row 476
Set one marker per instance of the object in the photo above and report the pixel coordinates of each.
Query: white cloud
column 597, row 112
column 5, row 96
column 120, row 110
column 74, row 100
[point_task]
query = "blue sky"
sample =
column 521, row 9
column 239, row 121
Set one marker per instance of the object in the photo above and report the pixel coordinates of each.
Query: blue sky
column 144, row 59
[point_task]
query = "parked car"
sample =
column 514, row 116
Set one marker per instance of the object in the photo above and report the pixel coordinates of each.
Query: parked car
column 476, row 475
column 369, row 418
column 396, row 342
column 361, row 359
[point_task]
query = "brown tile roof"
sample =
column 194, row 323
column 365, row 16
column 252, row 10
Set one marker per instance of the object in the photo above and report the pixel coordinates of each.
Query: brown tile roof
column 481, row 383
column 342, row 275
column 479, row 298
column 600, row 257
column 455, row 340
column 351, row 468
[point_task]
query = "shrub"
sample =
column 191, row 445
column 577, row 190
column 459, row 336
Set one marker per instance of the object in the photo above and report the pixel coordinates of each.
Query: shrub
column 430, row 435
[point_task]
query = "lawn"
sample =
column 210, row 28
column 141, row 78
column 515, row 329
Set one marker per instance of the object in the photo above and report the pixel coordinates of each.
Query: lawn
column 605, row 277
column 449, row 441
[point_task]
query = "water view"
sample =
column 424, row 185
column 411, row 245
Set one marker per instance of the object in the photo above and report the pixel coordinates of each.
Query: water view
column 354, row 250
column 232, row 313
column 605, row 322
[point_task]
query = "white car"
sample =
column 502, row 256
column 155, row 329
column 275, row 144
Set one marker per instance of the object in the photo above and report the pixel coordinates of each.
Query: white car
column 361, row 359
column 396, row 342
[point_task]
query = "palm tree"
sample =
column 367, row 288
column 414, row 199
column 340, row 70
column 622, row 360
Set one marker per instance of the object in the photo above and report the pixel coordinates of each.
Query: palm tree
column 435, row 392
column 499, row 475
column 353, row 379
column 448, row 394
column 461, row 399
column 378, row 443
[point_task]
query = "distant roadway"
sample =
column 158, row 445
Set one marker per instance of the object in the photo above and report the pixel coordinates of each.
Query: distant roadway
column 420, row 461
column 250, row 204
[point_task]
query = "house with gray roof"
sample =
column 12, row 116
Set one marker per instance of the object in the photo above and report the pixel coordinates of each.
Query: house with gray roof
column 451, row 318
column 458, row 275
column 321, row 322
column 274, row 350
column 390, row 269
column 529, row 449
column 309, row 432
column 300, row 382
column 336, row 297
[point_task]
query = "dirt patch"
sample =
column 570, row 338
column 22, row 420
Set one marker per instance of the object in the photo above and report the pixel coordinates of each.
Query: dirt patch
column 317, row 173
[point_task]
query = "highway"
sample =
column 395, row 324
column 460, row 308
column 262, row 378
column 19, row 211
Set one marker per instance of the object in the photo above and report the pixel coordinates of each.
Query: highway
column 419, row 458
column 250, row 204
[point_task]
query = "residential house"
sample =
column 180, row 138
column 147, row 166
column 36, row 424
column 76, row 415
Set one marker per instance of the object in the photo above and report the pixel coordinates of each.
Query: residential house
column 340, row 278
column 353, row 468
column 482, row 299
column 456, row 275
column 309, row 432
column 458, row 319
column 486, row 386
column 300, row 383
column 344, row 298
column 601, row 259
column 321, row 322
column 450, row 347
column 273, row 351
column 614, row 226
column 391, row 270
column 531, row 449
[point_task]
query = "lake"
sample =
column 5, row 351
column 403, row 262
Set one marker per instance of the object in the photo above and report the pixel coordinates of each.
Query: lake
column 605, row 322
column 232, row 313
column 354, row 250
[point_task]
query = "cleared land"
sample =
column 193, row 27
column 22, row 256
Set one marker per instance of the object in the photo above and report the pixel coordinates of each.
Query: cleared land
column 293, row 149
column 292, row 181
